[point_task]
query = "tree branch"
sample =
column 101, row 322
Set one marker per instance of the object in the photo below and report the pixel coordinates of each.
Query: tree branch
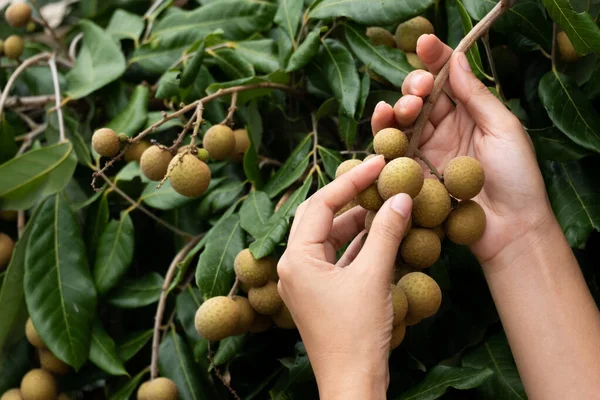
column 431, row 167
column 59, row 115
column 488, row 50
column 229, row 119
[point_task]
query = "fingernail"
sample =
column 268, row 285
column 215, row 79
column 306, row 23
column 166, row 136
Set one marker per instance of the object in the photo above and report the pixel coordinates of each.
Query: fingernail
column 464, row 63
column 379, row 106
column 372, row 159
column 402, row 204
column 415, row 84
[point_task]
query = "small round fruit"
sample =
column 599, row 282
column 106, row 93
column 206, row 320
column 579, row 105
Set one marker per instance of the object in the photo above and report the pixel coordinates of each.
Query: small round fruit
column 411, row 319
column 106, row 142
column 439, row 230
column 265, row 299
column 409, row 32
column 464, row 177
column 283, row 318
column 18, row 15
column 421, row 248
column 403, row 269
column 565, row 48
column 242, row 143
column 32, row 336
column 398, row 334
column 39, row 384
column 370, row 199
column 423, row 294
column 155, row 162
column 353, row 203
column 391, row 143
column 432, row 205
column 346, row 166
column 380, row 37
column 400, row 303
column 189, row 176
column 414, row 61
column 143, row 392
column 369, row 220
column 14, row 47
column 219, row 140
column 261, row 323
column 135, row 150
column 246, row 315
column 203, row 155
column 53, row 364
column 274, row 276
column 217, row 318
column 402, row 175
column 251, row 271
column 12, row 394
column 6, row 249
column 158, row 389
column 466, row 223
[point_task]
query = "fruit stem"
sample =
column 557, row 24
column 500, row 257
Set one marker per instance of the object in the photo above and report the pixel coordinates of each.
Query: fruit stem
column 234, row 288
column 220, row 376
column 229, row 119
column 431, row 167
column 488, row 50
column 59, row 114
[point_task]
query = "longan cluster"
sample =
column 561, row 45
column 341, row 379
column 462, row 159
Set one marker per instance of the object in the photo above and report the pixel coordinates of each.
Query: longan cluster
column 223, row 316
column 17, row 15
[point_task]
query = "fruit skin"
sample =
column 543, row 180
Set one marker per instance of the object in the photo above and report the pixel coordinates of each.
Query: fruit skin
column 247, row 315
column 251, row 271
column 189, row 176
column 439, row 230
column 274, row 276
column 464, row 177
column 400, row 303
column 370, row 198
column 353, row 203
column 265, row 299
column 421, row 248
column 155, row 162
column 106, row 142
column 391, row 143
column 261, row 324
column 38, row 384
column 380, row 37
column 6, row 249
column 403, row 269
column 143, row 391
column 346, row 166
column 203, row 155
column 51, row 363
column 411, row 319
column 1, row 46
column 565, row 48
column 432, row 205
column 423, row 294
column 14, row 46
column 409, row 32
column 12, row 394
column 158, row 389
column 466, row 223
column 219, row 140
column 217, row 318
column 63, row 396
column 283, row 318
column 415, row 62
column 369, row 220
column 135, row 150
column 32, row 336
column 398, row 334
column 242, row 143
column 18, row 15
column 402, row 175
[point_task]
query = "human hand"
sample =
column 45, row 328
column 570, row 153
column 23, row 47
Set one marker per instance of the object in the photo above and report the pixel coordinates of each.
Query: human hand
column 479, row 125
column 344, row 310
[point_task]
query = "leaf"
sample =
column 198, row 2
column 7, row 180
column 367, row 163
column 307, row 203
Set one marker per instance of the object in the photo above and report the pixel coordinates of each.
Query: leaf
column 137, row 292
column 570, row 110
column 228, row 349
column 165, row 198
column 192, row 68
column 291, row 170
column 285, row 45
column 348, row 127
column 133, row 343
column 14, row 363
column 99, row 62
column 381, row 12
column 103, row 352
column 442, row 377
column 232, row 64
column 126, row 391
column 297, row 371
column 96, row 221
column 186, row 304
column 220, row 198
column 251, row 162
column 133, row 117
column 579, row 27
column 125, row 25
column 473, row 54
column 331, row 160
column 115, row 253
column 495, row 354
column 214, row 274
column 255, row 212
column 340, row 72
column 26, row 178
column 262, row 54
column 307, row 50
column 59, row 290
column 573, row 191
column 365, row 87
column 288, row 15
column 552, row 144
column 247, row 95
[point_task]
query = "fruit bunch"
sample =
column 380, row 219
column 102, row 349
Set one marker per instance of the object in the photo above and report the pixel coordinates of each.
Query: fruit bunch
column 441, row 207
column 17, row 15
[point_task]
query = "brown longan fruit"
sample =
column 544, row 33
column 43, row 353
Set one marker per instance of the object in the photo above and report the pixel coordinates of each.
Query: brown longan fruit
column 39, row 384
column 188, row 175
column 464, row 177
column 283, row 318
column 400, row 303
column 246, row 315
column 32, row 335
column 274, row 276
column 398, row 334
column 12, row 394
column 135, row 150
column 106, row 142
column 265, row 299
column 432, row 205
column 242, row 143
column 409, row 32
column 158, row 389
column 402, row 175
column 423, row 293
column 63, row 396
column 261, row 323
column 380, row 37
column 6, row 249
column 251, row 271
column 390, row 143
column 370, row 199
column 51, row 363
column 412, row 319
column 14, row 47
column 421, row 248
column 353, row 203
column 155, row 162
column 217, row 318
column 466, row 223
column 219, row 140
column 415, row 61
column 439, row 230
column 403, row 269
column 18, row 15
column 565, row 48
column 346, row 166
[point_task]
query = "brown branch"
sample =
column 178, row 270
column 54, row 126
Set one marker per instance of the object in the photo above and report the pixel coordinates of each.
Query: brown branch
column 477, row 32
column 28, row 138
column 554, row 43
column 488, row 49
column 431, row 167
column 234, row 288
column 229, row 119
column 198, row 113
column 162, row 302
column 42, row 21
column 16, row 101
column 220, row 376
column 20, row 223
column 59, row 115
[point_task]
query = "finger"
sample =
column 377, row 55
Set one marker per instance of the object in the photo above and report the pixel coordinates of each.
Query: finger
column 346, row 227
column 298, row 216
column 407, row 109
column 352, row 251
column 316, row 223
column 383, row 117
column 433, row 52
column 420, row 83
column 380, row 249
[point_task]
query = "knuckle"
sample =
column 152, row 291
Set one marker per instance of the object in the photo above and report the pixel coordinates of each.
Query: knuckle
column 389, row 231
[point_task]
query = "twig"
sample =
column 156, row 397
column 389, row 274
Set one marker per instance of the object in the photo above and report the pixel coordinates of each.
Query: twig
column 28, row 138
column 198, row 114
column 335, row 25
column 554, row 49
column 488, row 49
column 59, row 115
column 229, row 119
column 73, row 46
column 181, row 136
column 20, row 223
column 45, row 23
column 465, row 44
column 17, row 101
column 431, row 167
column 268, row 161
column 284, row 198
column 234, row 288
column 30, row 123
column 220, row 376
column 150, row 18
column 163, row 301
column 355, row 151
column 315, row 133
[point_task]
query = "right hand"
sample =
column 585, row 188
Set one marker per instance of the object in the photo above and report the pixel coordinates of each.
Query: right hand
column 479, row 125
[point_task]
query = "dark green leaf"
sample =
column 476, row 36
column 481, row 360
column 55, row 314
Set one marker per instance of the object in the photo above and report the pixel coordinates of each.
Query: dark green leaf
column 297, row 370
column 165, row 198
column 365, row 87
column 340, row 72
column 103, row 353
column 291, row 170
column 579, row 27
column 348, row 127
column 262, row 54
column 96, row 221
column 254, row 128
column 255, row 212
column 473, row 54
column 383, row 12
column 126, row 391
column 192, row 68
column 307, row 50
column 133, row 117
column 331, row 160
column 285, row 46
column 551, row 144
column 229, row 348
column 186, row 304
column 137, row 292
column 288, row 15
column 247, row 95
column 14, row 363
column 125, row 25
column 219, row 198
column 133, row 343
column 232, row 63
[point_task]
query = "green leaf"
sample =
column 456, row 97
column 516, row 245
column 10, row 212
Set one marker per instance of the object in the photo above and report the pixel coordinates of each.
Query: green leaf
column 247, row 95
column 288, row 15
column 291, row 170
column 579, row 27
column 214, row 274
column 134, row 116
column 220, row 198
column 285, row 46
column 115, row 253
column 193, row 67
column 103, row 351
column 386, row 61
column 99, row 62
column 96, row 221
column 570, row 110
column 262, row 54
column 251, row 162
column 229, row 348
column 473, row 54
column 551, row 144
column 27, row 178
column 126, row 391
column 365, row 88
column 59, row 290
column 165, row 198
column 186, row 304
column 382, row 12
column 133, row 343
column 255, row 212
column 125, row 25
column 297, row 371
column 137, row 292
column 495, row 354
column 442, row 377
column 14, row 363
column 348, row 127
column 331, row 160
column 340, row 72
column 307, row 50
column 232, row 64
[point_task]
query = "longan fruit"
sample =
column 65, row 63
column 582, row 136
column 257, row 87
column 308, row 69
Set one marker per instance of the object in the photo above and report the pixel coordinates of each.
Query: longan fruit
column 283, row 318
column 219, row 140
column 63, row 396
column 217, row 318
column 242, row 143
column 32, row 335
column 402, row 175
column 439, row 230
column 39, row 384
column 466, row 223
column 12, row 394
column 155, row 162
column 251, row 271
column 411, row 319
column 421, row 248
column 391, row 143
column 274, row 276
column 203, row 155
column 415, row 61
column 403, row 269
column 398, row 334
column 18, row 15
column 423, row 293
column 51, row 363
column 409, row 32
column 346, row 166
column 158, row 389
column 400, row 303
column 106, row 142
column 188, row 175
column 261, row 323
column 14, row 47
column 135, row 150
column 565, row 48
column 380, row 37
column 265, row 299
column 247, row 315
column 353, row 203
column 370, row 198
column 432, row 205
column 464, row 177
column 369, row 219
column 6, row 249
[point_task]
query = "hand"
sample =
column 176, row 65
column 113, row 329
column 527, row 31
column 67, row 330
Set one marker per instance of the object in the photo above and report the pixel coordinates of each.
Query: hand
column 479, row 125
column 344, row 310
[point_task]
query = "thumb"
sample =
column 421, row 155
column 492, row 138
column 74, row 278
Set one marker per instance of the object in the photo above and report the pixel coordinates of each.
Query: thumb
column 381, row 247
